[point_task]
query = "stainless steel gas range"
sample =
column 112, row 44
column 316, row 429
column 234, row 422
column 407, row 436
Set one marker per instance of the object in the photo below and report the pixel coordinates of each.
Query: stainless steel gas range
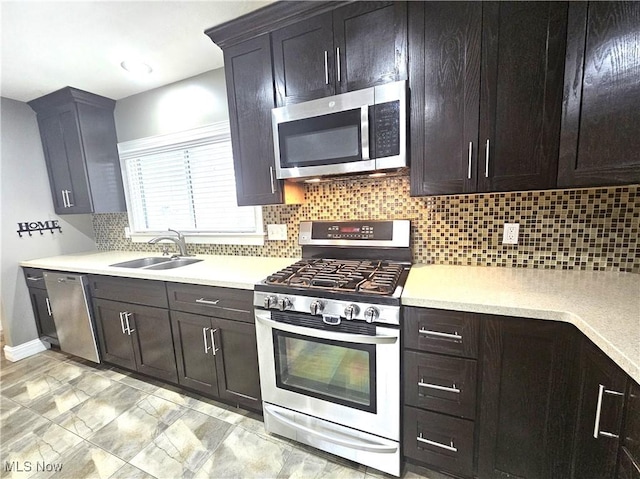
column 328, row 331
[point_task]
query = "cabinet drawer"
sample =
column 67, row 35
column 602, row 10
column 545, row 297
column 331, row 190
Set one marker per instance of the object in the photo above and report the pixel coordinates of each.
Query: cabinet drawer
column 129, row 290
column 438, row 440
column 440, row 383
column 440, row 331
column 228, row 303
column 34, row 278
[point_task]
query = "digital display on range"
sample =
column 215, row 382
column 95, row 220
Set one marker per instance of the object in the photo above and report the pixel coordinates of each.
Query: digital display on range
column 353, row 230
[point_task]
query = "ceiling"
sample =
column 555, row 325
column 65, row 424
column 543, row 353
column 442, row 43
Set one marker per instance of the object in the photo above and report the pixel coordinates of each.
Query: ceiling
column 47, row 45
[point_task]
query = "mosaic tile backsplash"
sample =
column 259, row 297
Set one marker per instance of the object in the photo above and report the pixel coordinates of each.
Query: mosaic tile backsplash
column 594, row 229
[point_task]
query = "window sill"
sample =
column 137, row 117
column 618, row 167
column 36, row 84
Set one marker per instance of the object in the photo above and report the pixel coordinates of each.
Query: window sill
column 256, row 239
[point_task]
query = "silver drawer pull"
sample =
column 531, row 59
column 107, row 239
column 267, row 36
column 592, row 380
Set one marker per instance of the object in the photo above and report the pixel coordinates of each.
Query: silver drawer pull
column 453, row 389
column 455, row 336
column 32, row 278
column 207, row 301
column 451, row 448
column 596, row 427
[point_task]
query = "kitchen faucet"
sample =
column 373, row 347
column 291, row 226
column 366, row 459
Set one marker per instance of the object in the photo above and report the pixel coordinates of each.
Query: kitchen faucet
column 179, row 240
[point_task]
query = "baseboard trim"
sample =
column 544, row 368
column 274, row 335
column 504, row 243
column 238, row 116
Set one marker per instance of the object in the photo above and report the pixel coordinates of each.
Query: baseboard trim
column 24, row 350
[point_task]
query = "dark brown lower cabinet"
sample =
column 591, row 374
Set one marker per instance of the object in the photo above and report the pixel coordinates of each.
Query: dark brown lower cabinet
column 43, row 315
column 602, row 394
column 629, row 465
column 527, row 400
column 217, row 357
column 136, row 337
column 439, row 440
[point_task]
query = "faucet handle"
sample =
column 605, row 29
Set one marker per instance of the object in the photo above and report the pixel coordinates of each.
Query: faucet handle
column 165, row 250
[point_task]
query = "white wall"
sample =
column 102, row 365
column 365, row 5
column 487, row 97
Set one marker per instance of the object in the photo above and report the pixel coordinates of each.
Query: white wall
column 25, row 196
column 196, row 101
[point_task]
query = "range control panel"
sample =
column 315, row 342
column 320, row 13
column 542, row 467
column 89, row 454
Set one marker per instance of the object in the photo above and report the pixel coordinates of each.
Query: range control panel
column 353, row 230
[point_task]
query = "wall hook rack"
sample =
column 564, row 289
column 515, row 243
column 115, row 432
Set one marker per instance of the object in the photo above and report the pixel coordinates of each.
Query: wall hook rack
column 31, row 227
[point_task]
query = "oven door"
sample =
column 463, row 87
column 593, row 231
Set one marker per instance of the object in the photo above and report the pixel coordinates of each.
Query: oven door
column 347, row 378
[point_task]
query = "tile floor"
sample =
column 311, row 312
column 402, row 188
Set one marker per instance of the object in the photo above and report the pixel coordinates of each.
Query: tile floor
column 62, row 417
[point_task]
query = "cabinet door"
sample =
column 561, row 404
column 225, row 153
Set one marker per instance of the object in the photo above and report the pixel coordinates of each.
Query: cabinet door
column 303, row 60
column 193, row 338
column 602, row 392
column 631, row 441
column 56, row 158
column 79, row 198
column 152, row 341
column 523, row 47
column 528, row 399
column 42, row 313
column 601, row 105
column 370, row 39
column 115, row 343
column 250, row 95
column 237, row 362
column 444, row 81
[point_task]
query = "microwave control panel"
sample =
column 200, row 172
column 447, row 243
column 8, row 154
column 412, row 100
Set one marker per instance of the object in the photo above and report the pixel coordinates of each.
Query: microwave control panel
column 386, row 130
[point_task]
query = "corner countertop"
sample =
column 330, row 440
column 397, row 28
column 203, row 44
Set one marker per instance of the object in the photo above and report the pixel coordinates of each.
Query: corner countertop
column 240, row 272
column 605, row 306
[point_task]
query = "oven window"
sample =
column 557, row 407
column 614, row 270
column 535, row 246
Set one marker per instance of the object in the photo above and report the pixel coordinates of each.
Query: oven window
column 321, row 140
column 339, row 372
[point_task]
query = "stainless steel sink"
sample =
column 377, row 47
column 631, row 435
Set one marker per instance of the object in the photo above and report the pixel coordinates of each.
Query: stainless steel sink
column 174, row 263
column 155, row 262
column 141, row 262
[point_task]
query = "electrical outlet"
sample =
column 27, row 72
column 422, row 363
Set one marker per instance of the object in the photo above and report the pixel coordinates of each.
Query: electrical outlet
column 510, row 233
column 277, row 232
column 127, row 232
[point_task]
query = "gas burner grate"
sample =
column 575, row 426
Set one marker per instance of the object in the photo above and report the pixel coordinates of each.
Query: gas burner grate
column 366, row 276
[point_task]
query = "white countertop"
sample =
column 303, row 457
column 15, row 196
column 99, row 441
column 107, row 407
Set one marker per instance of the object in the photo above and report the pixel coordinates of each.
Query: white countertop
column 605, row 306
column 240, row 272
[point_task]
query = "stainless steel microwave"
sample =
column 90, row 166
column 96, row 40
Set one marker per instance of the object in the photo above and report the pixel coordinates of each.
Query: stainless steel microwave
column 358, row 131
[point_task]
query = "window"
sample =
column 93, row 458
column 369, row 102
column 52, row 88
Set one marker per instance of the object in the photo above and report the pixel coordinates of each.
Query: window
column 185, row 181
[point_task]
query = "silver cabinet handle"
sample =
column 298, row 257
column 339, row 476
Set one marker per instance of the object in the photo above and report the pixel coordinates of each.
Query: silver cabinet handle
column 326, row 67
column 469, row 163
column 48, row 306
column 69, row 198
column 455, row 336
column 212, row 332
column 437, row 444
column 127, row 315
column 453, row 389
column 207, row 301
column 64, row 198
column 34, row 279
column 596, row 427
column 486, row 161
column 273, row 186
column 204, row 339
column 122, row 322
column 338, row 61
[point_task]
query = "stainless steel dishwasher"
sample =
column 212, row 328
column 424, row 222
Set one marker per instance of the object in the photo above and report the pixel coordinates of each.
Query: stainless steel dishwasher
column 68, row 295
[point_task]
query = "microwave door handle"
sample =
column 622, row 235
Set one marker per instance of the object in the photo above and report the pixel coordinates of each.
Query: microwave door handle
column 364, row 131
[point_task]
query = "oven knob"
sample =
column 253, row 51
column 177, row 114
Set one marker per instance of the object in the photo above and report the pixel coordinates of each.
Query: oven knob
column 316, row 307
column 270, row 302
column 371, row 314
column 351, row 311
column 284, row 303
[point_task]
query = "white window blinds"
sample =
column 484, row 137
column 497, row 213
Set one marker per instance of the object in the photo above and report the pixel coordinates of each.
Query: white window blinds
column 184, row 181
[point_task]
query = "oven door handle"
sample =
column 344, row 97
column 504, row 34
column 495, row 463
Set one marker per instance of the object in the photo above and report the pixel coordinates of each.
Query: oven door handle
column 360, row 445
column 264, row 318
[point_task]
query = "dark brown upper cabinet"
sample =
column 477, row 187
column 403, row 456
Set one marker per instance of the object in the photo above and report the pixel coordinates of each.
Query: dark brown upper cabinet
column 80, row 148
column 601, row 105
column 486, row 91
column 353, row 47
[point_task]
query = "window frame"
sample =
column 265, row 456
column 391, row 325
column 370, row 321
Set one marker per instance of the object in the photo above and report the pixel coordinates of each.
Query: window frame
column 132, row 148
